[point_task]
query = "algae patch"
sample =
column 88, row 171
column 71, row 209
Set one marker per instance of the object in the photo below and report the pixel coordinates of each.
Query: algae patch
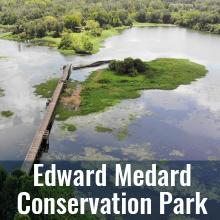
column 7, row 114
column 2, row 92
column 100, row 128
column 69, row 127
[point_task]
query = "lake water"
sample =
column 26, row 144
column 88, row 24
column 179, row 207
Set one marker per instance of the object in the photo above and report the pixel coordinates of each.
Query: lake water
column 179, row 124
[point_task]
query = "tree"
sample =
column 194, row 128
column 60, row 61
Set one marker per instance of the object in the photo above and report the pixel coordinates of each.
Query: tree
column 129, row 66
column 88, row 46
column 35, row 28
column 93, row 27
column 101, row 16
column 141, row 16
column 73, row 21
column 21, row 217
column 50, row 23
column 66, row 42
column 166, row 18
column 139, row 65
column 3, row 176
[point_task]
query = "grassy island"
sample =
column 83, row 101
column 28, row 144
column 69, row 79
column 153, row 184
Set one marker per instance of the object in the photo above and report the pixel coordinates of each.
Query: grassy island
column 124, row 80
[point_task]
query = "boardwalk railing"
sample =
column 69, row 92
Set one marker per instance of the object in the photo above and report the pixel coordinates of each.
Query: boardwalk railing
column 42, row 133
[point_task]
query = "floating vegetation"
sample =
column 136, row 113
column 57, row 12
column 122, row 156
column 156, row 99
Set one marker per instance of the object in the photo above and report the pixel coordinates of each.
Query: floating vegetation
column 212, row 158
column 46, row 89
column 7, row 113
column 3, row 57
column 88, row 154
column 2, row 92
column 122, row 134
column 101, row 128
column 135, row 152
column 176, row 153
column 138, row 152
column 69, row 127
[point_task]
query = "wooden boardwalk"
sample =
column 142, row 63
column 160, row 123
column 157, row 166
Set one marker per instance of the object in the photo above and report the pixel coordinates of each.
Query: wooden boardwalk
column 42, row 133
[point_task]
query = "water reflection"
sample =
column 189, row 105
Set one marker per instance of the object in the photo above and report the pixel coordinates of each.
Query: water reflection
column 182, row 124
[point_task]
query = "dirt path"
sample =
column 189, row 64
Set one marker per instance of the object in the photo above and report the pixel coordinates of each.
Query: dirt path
column 74, row 100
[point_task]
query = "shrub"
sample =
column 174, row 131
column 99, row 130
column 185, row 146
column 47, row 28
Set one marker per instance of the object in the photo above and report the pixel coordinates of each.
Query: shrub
column 129, row 66
column 93, row 27
column 72, row 21
column 66, row 42
column 112, row 65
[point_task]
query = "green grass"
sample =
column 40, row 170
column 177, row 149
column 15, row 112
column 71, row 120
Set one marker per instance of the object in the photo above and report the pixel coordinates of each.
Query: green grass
column 7, row 27
column 66, row 52
column 46, row 89
column 163, row 74
column 69, row 127
column 46, row 41
column 97, row 41
column 7, row 113
column 145, row 24
column 10, row 36
column 103, row 129
column 54, row 42
column 96, row 96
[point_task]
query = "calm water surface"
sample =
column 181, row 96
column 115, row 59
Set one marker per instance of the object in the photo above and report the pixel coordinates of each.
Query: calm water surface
column 180, row 124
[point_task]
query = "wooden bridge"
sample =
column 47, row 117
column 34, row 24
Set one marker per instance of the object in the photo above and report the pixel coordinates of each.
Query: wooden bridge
column 43, row 132
column 42, row 135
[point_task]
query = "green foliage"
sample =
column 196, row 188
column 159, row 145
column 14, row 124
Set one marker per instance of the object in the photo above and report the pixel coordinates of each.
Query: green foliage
column 93, row 27
column 53, row 25
column 7, row 113
column 11, row 184
column 66, row 42
column 36, row 28
column 2, row 92
column 122, row 134
column 196, row 14
column 17, row 181
column 73, row 21
column 80, row 43
column 46, row 89
column 21, row 217
column 129, row 66
column 100, row 128
column 105, row 88
column 163, row 74
column 69, row 127
column 50, row 23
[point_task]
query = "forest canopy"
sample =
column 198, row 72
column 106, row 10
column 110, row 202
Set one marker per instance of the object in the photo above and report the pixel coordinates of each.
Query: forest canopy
column 42, row 17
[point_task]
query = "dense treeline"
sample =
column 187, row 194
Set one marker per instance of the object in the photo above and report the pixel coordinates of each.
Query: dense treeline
column 41, row 18
column 11, row 184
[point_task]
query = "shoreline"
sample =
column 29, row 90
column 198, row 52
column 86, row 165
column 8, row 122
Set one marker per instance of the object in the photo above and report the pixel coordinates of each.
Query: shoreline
column 52, row 42
column 112, row 87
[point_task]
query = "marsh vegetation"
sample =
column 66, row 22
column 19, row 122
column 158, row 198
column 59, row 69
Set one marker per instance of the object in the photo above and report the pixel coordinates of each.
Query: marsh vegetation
column 124, row 80
column 7, row 114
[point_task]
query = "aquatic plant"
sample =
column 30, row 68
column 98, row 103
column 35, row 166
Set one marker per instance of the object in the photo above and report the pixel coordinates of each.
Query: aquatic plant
column 7, row 113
